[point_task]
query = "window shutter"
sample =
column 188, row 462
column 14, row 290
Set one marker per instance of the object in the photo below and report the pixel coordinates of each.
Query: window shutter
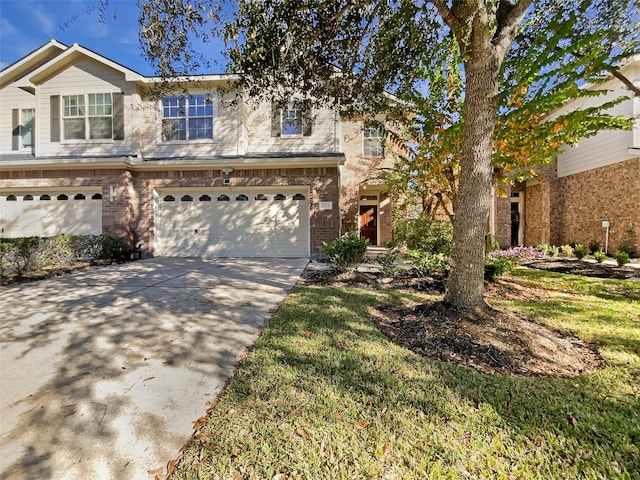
column 55, row 118
column 15, row 129
column 118, row 116
column 276, row 119
column 307, row 119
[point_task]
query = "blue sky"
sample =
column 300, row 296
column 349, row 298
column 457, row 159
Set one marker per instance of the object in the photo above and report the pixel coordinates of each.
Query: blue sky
column 26, row 25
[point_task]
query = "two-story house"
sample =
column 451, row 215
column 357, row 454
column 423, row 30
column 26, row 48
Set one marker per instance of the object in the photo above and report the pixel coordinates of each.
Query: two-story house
column 86, row 149
column 591, row 192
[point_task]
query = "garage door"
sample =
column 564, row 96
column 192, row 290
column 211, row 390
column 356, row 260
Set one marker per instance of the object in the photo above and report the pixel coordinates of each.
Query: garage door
column 52, row 212
column 232, row 222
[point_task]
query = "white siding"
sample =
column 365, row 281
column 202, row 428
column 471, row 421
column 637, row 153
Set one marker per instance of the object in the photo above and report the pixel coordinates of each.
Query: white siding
column 323, row 136
column 607, row 147
column 12, row 97
column 227, row 137
column 85, row 76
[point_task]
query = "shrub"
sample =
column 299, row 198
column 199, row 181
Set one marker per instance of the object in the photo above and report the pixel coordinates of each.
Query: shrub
column 622, row 258
column 580, row 251
column 21, row 255
column 549, row 250
column 594, row 247
column 426, row 263
column 388, row 262
column 599, row 256
column 425, row 233
column 566, row 250
column 346, row 252
column 495, row 267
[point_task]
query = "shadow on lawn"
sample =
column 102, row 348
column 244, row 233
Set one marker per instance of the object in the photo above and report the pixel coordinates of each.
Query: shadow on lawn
column 568, row 418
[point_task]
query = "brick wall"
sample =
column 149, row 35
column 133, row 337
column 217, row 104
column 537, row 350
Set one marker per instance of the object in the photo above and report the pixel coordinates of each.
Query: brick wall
column 585, row 199
column 130, row 211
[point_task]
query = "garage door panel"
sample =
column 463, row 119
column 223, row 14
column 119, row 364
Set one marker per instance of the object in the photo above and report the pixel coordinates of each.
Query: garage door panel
column 251, row 228
column 47, row 214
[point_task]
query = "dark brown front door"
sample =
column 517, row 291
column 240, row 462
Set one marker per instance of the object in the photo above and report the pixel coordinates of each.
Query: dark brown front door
column 369, row 223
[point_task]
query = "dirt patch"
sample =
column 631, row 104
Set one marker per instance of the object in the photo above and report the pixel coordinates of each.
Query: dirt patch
column 579, row 267
column 10, row 278
column 491, row 340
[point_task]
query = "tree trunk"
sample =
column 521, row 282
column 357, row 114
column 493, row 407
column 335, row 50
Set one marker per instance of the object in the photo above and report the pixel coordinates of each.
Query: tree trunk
column 466, row 279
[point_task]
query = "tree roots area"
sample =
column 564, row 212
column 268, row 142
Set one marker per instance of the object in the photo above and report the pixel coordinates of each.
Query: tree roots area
column 489, row 340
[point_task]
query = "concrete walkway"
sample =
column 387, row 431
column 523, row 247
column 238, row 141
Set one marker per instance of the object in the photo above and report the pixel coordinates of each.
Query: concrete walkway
column 103, row 373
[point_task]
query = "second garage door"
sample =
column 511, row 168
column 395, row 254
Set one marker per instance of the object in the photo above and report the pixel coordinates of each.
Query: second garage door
column 232, row 222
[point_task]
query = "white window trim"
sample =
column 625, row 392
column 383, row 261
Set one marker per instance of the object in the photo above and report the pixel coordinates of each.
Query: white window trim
column 214, row 117
column 365, row 138
column 31, row 148
column 86, row 140
column 299, row 107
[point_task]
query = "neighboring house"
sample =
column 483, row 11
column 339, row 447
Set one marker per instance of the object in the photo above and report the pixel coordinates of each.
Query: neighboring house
column 597, row 181
column 86, row 150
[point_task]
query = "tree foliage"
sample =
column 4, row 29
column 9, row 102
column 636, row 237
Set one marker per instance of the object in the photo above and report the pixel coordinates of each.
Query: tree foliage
column 543, row 73
column 349, row 52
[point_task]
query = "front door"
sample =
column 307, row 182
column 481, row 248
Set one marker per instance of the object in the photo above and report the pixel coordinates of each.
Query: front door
column 369, row 223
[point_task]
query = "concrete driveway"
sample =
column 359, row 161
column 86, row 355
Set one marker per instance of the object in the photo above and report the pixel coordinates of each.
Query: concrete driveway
column 104, row 373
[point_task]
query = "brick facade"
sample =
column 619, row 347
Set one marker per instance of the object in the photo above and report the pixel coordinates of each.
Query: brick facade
column 571, row 209
column 129, row 211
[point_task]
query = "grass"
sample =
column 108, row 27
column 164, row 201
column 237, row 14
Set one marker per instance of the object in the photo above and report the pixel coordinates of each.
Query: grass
column 325, row 395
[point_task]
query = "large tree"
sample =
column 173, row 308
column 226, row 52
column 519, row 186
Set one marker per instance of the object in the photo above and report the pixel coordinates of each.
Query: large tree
column 348, row 53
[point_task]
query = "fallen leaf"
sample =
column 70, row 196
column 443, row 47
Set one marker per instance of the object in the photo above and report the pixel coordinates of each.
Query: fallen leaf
column 237, row 475
column 363, row 424
column 302, row 433
column 148, row 378
column 234, row 452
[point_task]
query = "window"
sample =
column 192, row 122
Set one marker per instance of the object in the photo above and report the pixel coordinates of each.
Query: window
column 62, row 196
column 205, row 198
column 87, row 117
column 26, row 127
column 291, row 119
column 373, row 134
column 187, row 118
column 242, row 198
column 187, row 198
column 299, row 196
column 261, row 196
column 280, row 197
column 223, row 198
column 79, row 196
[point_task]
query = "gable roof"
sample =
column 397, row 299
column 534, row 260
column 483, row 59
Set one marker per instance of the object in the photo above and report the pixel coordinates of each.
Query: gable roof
column 69, row 56
column 31, row 61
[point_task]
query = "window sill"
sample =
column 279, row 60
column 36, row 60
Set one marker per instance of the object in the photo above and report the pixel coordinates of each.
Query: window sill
column 106, row 141
column 188, row 142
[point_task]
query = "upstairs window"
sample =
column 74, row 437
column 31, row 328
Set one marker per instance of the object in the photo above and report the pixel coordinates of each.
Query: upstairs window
column 187, row 118
column 22, row 128
column 291, row 119
column 372, row 136
column 87, row 117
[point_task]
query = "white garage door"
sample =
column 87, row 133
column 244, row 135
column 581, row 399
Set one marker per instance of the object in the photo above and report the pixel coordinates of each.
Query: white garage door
column 41, row 213
column 232, row 222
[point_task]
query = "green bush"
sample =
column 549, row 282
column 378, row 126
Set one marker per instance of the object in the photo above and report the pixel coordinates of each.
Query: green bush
column 346, row 252
column 21, row 255
column 600, row 256
column 426, row 263
column 549, row 250
column 388, row 262
column 622, row 258
column 594, row 247
column 580, row 251
column 495, row 267
column 425, row 233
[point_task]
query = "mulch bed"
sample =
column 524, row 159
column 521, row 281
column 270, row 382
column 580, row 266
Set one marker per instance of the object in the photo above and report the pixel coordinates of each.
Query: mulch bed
column 489, row 340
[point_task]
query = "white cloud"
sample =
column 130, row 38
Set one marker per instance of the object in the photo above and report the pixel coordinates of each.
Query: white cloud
column 45, row 21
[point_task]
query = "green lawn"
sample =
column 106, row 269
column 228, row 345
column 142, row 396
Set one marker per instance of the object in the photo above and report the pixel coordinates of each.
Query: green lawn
column 325, row 396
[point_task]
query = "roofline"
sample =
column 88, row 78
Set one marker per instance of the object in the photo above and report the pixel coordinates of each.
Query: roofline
column 51, row 43
column 130, row 75
column 138, row 164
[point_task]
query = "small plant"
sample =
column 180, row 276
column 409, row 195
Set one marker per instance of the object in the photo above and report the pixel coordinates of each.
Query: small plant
column 566, row 250
column 388, row 262
column 580, row 251
column 426, row 263
column 594, row 247
column 495, row 267
column 549, row 250
column 622, row 258
column 346, row 252
column 599, row 256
